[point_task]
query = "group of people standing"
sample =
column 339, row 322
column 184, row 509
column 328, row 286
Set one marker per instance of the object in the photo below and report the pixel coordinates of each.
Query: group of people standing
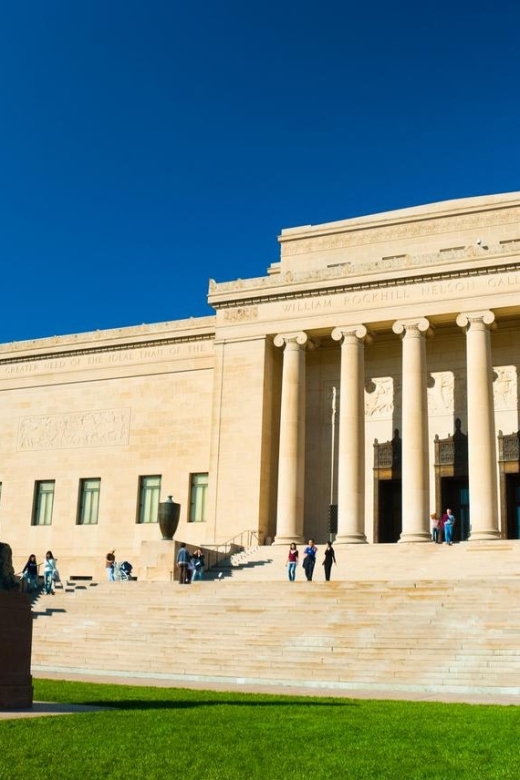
column 309, row 560
column 50, row 573
column 443, row 527
column 191, row 566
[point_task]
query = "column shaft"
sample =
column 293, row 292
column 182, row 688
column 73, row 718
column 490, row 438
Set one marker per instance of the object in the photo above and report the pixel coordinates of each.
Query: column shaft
column 482, row 455
column 289, row 517
column 414, row 466
column 351, row 440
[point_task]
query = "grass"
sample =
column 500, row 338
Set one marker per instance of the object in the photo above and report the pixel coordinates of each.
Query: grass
column 176, row 733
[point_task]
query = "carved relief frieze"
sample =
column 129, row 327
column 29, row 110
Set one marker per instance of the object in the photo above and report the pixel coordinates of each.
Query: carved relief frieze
column 427, row 227
column 505, row 387
column 441, row 392
column 241, row 314
column 380, row 397
column 100, row 428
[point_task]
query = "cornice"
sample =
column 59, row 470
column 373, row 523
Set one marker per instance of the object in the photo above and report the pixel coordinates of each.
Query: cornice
column 272, row 296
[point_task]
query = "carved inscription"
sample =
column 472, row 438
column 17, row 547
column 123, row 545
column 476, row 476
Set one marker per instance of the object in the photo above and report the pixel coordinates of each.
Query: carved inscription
column 101, row 428
column 105, row 359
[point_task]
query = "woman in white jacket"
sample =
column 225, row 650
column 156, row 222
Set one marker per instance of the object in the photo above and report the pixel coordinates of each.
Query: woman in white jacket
column 48, row 573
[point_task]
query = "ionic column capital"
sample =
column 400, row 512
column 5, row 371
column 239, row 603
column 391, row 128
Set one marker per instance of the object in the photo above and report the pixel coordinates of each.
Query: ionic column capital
column 479, row 320
column 352, row 332
column 412, row 327
column 294, row 340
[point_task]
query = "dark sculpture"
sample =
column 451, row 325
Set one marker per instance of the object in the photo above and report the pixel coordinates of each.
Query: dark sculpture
column 16, row 691
column 8, row 580
column 169, row 513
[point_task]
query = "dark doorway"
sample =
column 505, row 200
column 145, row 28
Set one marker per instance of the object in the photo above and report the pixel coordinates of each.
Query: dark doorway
column 513, row 505
column 455, row 495
column 390, row 516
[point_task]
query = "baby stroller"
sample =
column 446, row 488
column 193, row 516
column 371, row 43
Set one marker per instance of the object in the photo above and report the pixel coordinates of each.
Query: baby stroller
column 123, row 571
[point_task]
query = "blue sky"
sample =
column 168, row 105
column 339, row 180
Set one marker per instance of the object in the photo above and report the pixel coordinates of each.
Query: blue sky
column 147, row 146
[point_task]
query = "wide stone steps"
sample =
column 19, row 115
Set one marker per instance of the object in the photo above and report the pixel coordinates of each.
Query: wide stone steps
column 387, row 562
column 453, row 635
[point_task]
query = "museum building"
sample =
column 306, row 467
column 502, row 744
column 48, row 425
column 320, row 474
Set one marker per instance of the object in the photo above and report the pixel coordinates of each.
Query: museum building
column 369, row 379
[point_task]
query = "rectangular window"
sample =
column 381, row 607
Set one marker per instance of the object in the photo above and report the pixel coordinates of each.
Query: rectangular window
column 198, row 498
column 43, row 502
column 149, row 493
column 88, row 509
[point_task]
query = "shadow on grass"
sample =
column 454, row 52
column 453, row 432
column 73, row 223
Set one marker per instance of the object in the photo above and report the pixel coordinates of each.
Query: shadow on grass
column 143, row 704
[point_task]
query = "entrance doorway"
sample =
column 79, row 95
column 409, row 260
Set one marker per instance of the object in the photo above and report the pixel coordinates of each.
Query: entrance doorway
column 513, row 505
column 387, row 490
column 455, row 495
column 509, row 469
column 390, row 511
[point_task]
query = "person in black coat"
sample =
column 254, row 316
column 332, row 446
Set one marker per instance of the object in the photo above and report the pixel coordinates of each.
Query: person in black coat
column 30, row 573
column 329, row 559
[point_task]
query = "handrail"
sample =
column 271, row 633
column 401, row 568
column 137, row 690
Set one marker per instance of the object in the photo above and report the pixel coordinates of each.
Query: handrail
column 215, row 554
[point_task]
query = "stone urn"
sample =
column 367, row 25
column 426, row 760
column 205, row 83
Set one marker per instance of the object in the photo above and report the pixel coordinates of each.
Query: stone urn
column 169, row 513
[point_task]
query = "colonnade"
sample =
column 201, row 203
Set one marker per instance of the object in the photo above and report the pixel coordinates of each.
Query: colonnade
column 351, row 438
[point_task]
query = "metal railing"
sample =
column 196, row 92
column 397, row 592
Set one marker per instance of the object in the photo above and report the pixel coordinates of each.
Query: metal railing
column 215, row 554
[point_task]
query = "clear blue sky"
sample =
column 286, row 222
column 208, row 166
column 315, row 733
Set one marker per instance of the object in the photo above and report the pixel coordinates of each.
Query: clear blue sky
column 147, row 146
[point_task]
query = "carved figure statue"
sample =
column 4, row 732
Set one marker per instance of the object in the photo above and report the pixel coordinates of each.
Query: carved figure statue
column 8, row 580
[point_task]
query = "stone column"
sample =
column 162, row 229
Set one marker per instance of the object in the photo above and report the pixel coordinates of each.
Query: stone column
column 291, row 467
column 482, row 456
column 415, row 478
column 351, row 441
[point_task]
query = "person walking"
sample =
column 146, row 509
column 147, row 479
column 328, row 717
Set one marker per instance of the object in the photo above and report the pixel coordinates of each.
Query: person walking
column 436, row 528
column 198, row 564
column 292, row 562
column 30, row 573
column 183, row 559
column 330, row 558
column 110, row 561
column 49, row 568
column 448, row 527
column 309, row 560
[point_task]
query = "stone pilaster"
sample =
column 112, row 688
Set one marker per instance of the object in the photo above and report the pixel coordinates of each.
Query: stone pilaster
column 482, row 455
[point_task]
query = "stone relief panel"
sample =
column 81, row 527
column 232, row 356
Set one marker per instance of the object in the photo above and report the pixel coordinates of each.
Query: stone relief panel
column 505, row 387
column 242, row 314
column 447, row 393
column 441, row 392
column 100, row 428
column 380, row 397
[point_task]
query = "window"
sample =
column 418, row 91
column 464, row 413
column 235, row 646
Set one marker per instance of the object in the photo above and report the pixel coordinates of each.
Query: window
column 88, row 507
column 43, row 502
column 149, row 492
column 198, row 496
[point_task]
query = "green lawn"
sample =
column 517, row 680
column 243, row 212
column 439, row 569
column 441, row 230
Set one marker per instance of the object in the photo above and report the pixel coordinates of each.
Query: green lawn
column 176, row 733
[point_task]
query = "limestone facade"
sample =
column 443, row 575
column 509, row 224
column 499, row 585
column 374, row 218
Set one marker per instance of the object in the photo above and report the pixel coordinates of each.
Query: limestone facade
column 374, row 368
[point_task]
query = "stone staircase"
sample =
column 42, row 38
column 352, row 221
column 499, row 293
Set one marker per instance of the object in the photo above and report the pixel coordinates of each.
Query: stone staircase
column 394, row 617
